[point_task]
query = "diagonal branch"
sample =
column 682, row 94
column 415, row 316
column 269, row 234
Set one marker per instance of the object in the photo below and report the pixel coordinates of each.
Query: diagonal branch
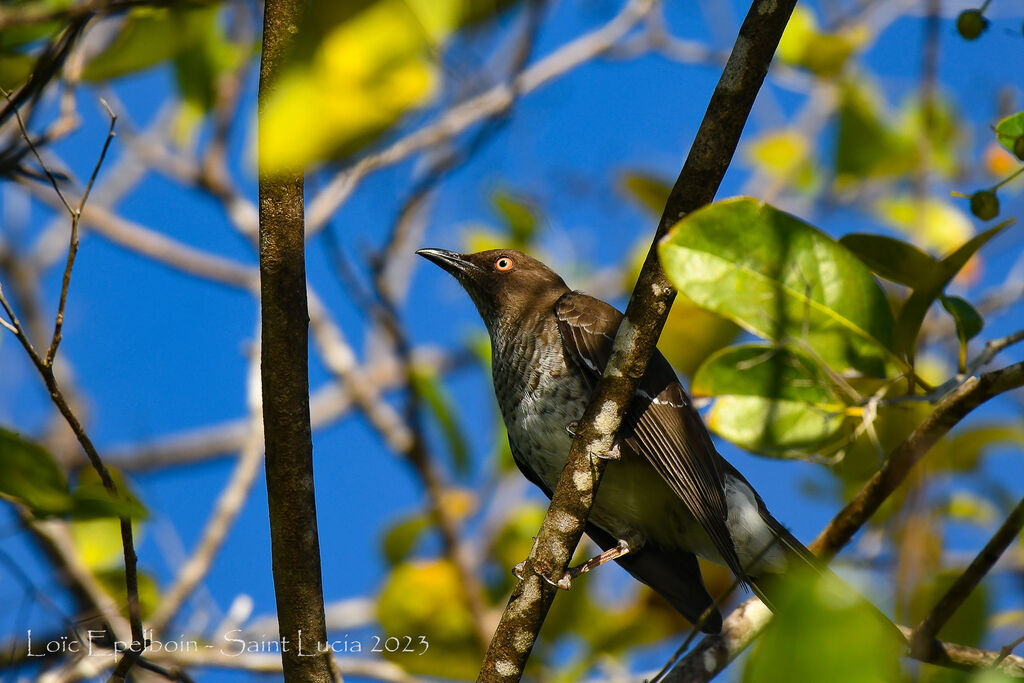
column 922, row 643
column 648, row 308
column 714, row 653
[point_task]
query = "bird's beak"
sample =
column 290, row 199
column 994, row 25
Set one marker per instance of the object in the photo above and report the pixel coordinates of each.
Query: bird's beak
column 450, row 261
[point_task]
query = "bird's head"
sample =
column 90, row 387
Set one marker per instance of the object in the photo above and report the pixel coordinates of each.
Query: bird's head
column 505, row 284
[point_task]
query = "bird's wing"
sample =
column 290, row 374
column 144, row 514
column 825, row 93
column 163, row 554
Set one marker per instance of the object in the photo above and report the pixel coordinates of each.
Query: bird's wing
column 673, row 573
column 660, row 424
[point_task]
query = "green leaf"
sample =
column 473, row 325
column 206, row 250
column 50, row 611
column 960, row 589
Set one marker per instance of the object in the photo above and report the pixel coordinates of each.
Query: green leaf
column 518, row 215
column 15, row 68
column 148, row 36
column 14, row 36
column 782, row 280
column 770, row 400
column 914, row 309
column 764, row 370
column 30, row 476
column 402, row 536
column 892, row 259
column 427, row 384
column 649, row 191
column 967, row 625
column 868, row 145
column 113, row 581
column 821, row 632
column 425, row 598
column 92, row 500
column 967, row 448
column 968, row 321
column 1009, row 130
column 777, row 428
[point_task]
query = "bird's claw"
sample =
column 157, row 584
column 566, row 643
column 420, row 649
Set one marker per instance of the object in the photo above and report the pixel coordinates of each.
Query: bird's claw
column 612, row 454
column 518, row 570
column 571, row 428
column 564, row 583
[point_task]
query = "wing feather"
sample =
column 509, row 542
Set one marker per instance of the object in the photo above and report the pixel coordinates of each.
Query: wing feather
column 661, row 424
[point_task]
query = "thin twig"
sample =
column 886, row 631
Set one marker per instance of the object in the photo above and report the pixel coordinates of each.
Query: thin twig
column 921, row 643
column 76, row 215
column 57, row 396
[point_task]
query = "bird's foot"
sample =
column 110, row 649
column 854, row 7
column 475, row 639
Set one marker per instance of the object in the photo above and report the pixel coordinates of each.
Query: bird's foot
column 623, row 548
column 571, row 428
column 611, row 454
column 518, row 570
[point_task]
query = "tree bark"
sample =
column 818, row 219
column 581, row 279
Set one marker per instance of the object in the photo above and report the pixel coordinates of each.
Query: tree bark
column 295, row 545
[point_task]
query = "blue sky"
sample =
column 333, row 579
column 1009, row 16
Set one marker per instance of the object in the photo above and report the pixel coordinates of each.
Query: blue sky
column 157, row 351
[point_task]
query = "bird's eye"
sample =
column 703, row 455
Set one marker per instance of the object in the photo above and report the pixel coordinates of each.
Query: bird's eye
column 503, row 264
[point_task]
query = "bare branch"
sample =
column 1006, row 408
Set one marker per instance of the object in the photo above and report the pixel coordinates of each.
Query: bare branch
column 922, row 643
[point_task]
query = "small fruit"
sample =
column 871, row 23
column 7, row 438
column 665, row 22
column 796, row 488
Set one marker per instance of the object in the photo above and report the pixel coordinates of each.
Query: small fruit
column 971, row 23
column 985, row 204
column 1018, row 147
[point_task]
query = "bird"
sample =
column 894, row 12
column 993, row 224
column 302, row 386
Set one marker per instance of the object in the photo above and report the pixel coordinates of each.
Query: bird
column 667, row 495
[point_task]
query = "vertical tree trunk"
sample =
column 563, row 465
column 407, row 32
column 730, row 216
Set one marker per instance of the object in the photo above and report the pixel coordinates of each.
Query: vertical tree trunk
column 295, row 544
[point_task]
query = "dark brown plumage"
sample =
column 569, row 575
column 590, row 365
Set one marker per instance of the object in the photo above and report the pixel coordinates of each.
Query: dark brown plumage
column 670, row 496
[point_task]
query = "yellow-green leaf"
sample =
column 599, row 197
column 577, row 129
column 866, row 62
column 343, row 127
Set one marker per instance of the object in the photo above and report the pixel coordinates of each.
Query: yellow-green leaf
column 782, row 280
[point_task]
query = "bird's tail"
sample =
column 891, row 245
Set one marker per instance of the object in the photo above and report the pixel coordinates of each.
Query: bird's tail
column 801, row 564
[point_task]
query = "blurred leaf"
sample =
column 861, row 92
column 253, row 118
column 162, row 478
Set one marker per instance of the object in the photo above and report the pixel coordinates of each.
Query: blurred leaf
column 967, row 625
column 113, row 581
column 362, row 67
column 149, row 36
column 967, row 447
column 892, row 259
column 92, row 500
column 402, row 536
column 691, row 333
column 821, row 632
column 784, row 154
column 200, row 69
column 914, row 309
column 30, row 476
column 867, row 144
column 968, row 321
column 427, row 383
column 797, row 283
column 519, row 216
column 649, row 191
column 513, row 542
column 823, row 54
column 934, row 224
column 14, row 36
column 1010, row 130
column 425, row 598
column 98, row 542
column 15, row 68
column 965, row 506
column 939, row 126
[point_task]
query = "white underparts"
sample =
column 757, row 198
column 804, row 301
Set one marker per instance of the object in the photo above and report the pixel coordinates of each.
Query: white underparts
column 755, row 542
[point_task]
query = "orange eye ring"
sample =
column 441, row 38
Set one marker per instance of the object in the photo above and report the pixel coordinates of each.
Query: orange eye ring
column 504, row 264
